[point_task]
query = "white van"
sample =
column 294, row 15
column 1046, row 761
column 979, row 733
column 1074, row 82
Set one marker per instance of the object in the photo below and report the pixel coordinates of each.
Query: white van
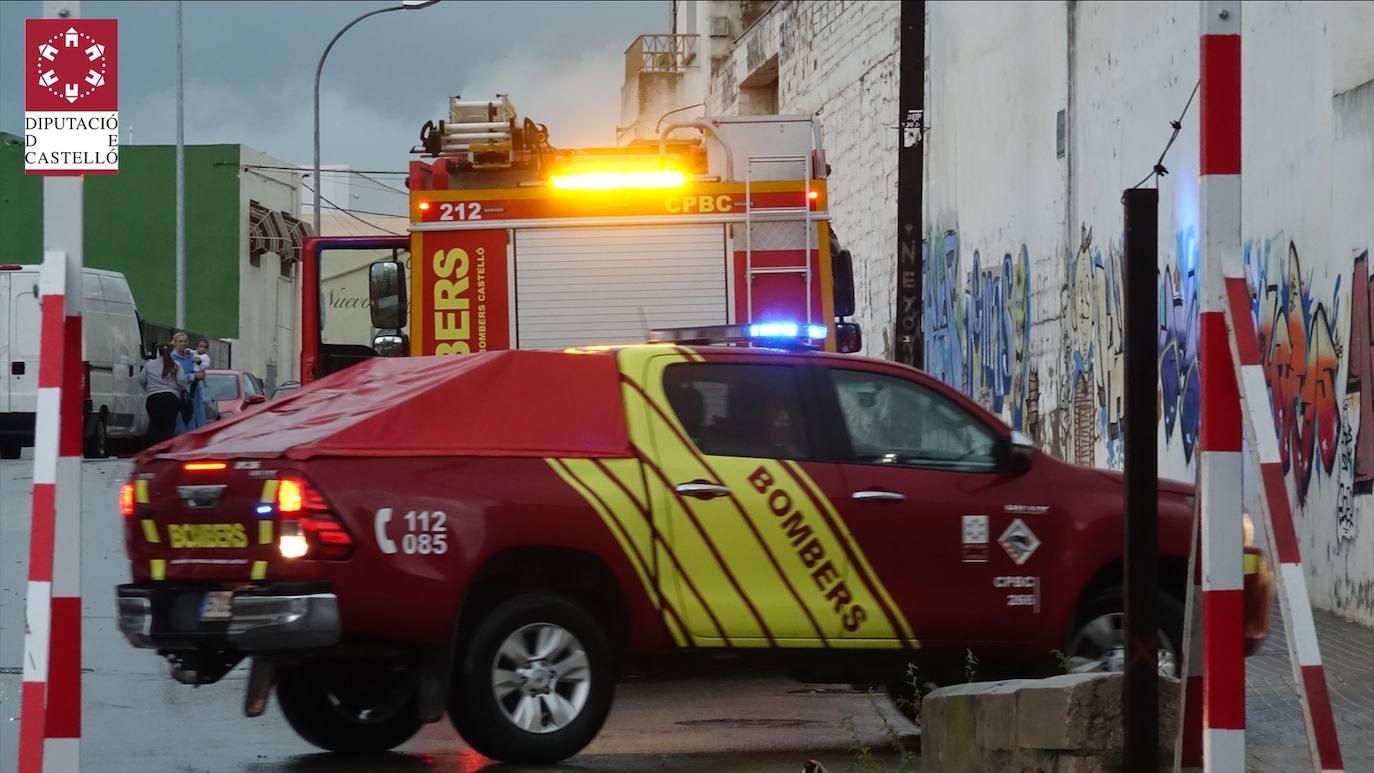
column 111, row 350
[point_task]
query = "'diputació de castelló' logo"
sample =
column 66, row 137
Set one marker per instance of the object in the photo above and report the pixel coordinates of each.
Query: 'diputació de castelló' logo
column 79, row 58
column 71, row 96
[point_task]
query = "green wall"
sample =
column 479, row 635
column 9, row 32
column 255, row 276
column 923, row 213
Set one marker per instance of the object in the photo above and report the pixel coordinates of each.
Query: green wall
column 130, row 227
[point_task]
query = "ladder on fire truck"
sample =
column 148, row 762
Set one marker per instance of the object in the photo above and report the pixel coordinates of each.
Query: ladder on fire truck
column 774, row 214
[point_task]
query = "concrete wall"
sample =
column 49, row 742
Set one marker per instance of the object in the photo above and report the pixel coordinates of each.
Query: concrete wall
column 836, row 59
column 269, row 303
column 1023, row 249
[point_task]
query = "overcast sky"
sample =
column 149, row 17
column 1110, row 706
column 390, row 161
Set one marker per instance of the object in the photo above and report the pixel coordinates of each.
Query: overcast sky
column 249, row 70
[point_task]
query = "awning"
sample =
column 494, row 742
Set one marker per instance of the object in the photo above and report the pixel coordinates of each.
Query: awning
column 271, row 230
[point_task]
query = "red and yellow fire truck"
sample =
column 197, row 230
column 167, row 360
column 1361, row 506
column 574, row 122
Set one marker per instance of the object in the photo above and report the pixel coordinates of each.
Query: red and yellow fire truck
column 517, row 244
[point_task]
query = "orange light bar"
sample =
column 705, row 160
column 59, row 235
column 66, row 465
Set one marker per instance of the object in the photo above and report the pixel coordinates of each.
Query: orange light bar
column 290, row 496
column 204, row 466
column 612, row 180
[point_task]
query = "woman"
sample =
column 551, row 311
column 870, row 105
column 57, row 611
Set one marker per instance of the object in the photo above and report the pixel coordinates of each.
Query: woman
column 163, row 383
column 182, row 355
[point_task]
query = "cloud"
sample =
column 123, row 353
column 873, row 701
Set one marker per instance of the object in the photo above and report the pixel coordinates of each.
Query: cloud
column 577, row 97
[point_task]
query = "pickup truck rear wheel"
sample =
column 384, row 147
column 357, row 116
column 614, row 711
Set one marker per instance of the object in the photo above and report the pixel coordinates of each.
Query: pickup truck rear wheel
column 535, row 681
column 355, row 706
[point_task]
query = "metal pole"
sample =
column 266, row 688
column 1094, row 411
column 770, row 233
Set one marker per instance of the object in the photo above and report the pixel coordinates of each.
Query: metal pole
column 181, row 189
column 319, row 68
column 910, row 348
column 1140, row 693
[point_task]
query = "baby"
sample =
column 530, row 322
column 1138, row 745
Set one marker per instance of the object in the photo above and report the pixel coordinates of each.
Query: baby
column 201, row 359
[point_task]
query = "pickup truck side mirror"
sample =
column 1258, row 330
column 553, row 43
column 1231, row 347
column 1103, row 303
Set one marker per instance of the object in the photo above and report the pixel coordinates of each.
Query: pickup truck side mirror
column 386, row 290
column 849, row 337
column 1014, row 453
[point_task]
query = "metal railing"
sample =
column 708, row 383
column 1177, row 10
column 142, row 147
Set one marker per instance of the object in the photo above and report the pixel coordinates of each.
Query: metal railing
column 660, row 53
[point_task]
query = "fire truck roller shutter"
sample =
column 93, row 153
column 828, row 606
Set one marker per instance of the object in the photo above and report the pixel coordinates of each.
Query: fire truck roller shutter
column 577, row 286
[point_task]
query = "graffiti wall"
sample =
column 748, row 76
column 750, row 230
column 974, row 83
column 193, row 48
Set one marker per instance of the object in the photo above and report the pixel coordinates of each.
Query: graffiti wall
column 1026, row 159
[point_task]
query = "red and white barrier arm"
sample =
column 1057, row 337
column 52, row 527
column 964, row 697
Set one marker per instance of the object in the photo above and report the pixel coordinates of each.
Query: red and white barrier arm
column 1303, row 651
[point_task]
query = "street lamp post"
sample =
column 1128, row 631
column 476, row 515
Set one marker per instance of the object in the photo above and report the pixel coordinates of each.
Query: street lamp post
column 406, row 5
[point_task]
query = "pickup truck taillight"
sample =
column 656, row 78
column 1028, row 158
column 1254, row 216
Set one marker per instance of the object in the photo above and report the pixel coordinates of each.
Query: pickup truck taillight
column 126, row 499
column 308, row 528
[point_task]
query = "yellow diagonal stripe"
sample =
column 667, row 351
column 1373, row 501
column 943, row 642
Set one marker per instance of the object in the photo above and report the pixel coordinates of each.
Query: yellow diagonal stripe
column 149, row 530
column 141, row 491
column 269, row 491
column 158, row 568
column 259, row 570
column 264, row 532
column 594, row 486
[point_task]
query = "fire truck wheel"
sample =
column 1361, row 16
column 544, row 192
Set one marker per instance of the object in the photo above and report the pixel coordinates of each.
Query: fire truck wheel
column 350, row 706
column 535, row 681
column 1097, row 642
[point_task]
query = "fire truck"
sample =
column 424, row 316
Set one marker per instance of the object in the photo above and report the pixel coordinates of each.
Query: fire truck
column 514, row 243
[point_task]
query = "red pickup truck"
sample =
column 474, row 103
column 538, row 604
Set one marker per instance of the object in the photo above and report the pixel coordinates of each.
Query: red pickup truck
column 499, row 535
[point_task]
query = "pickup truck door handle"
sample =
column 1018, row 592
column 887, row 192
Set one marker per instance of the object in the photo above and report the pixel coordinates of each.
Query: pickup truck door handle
column 702, row 490
column 879, row 496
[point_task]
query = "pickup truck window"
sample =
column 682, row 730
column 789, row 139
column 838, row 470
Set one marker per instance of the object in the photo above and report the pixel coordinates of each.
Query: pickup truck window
column 738, row 409
column 895, row 421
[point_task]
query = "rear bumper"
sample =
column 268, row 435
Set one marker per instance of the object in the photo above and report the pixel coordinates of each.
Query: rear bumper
column 17, row 425
column 264, row 617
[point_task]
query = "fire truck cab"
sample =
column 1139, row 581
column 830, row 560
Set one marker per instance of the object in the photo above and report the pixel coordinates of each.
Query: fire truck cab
column 516, row 244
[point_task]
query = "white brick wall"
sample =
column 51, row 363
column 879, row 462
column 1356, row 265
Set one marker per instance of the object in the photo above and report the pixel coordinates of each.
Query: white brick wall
column 838, row 59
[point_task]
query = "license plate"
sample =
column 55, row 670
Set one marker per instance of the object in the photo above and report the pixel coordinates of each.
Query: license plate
column 217, row 605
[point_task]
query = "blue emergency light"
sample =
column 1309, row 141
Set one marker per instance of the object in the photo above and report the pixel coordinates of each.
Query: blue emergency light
column 785, row 335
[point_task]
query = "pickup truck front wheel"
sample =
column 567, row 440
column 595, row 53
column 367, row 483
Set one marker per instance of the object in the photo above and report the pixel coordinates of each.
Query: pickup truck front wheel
column 1097, row 640
column 353, row 706
column 535, row 681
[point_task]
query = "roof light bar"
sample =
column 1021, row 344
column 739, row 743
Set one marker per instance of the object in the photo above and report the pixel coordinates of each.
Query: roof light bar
column 612, row 180
column 774, row 334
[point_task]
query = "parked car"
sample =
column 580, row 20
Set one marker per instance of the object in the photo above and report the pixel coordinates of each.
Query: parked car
column 414, row 536
column 233, row 390
column 111, row 354
column 285, row 388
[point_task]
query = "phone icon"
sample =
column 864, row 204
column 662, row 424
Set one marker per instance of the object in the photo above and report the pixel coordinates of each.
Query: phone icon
column 379, row 530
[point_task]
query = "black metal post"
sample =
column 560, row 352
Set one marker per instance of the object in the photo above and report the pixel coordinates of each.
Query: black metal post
column 1140, row 693
column 911, row 99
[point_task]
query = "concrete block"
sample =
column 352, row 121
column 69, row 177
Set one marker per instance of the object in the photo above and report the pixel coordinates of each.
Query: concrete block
column 1064, row 724
column 996, row 716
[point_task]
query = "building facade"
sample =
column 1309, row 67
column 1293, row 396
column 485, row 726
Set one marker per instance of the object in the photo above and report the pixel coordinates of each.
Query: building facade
column 1037, row 116
column 242, row 242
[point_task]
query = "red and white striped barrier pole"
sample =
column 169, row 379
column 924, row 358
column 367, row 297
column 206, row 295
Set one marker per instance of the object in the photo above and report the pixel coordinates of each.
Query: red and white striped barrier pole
column 38, row 605
column 1303, row 651
column 62, row 749
column 1188, row 745
column 1223, row 579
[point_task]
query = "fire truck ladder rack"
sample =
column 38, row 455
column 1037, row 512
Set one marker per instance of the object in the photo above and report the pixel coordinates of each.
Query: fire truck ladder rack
column 776, row 213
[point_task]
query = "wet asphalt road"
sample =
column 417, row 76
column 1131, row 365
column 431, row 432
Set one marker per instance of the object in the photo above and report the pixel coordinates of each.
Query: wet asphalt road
column 136, row 719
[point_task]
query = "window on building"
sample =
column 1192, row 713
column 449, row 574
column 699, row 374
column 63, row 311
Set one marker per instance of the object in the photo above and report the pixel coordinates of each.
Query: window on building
column 758, row 93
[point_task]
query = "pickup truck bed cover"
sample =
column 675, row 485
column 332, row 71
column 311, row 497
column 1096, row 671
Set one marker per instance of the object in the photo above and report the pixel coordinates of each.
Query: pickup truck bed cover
column 483, row 404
